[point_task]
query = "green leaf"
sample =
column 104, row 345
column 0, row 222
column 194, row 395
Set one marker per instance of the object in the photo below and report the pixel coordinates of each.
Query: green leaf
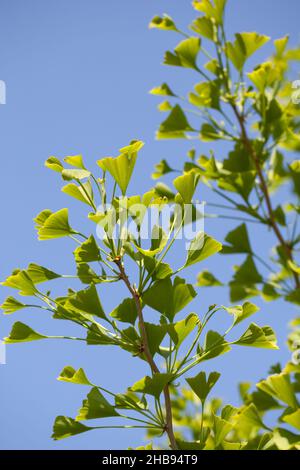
column 238, row 160
column 69, row 374
column 126, row 312
column 294, row 297
column 185, row 54
column 214, row 345
column 76, row 161
column 66, row 427
column 241, row 183
column 207, row 279
column 213, row 9
column 148, row 446
column 294, row 267
column 293, row 419
column 22, row 333
column 164, row 106
column 179, row 331
column 55, row 226
column 238, row 240
column 247, row 273
column 280, row 387
column 161, row 168
column 243, row 47
column 279, row 216
column 159, row 239
column 286, row 440
column 86, row 301
column 11, row 305
column 83, row 193
column 280, row 45
column 263, row 401
column 263, row 76
column 41, row 218
column 130, row 401
column 269, row 293
column 201, row 248
column 240, row 292
column 185, row 445
column 40, row 274
column 175, row 125
column 158, row 271
column 207, row 95
column 165, row 22
column 88, row 251
column 200, row 386
column 258, row 337
column 204, row 26
column 209, row 133
column 248, row 419
column 75, row 174
column 168, row 298
column 155, row 335
column 20, row 280
column 121, row 167
column 162, row 90
column 152, row 385
column 163, row 190
column 95, row 406
column 186, row 186
column 241, row 312
column 221, row 429
column 97, row 334
column 87, row 275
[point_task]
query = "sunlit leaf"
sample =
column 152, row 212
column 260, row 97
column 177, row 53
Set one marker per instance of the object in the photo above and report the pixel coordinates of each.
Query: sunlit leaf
column 121, row 167
column 241, row 312
column 88, row 251
column 11, row 305
column 201, row 248
column 66, row 427
column 211, row 8
column 21, row 333
column 164, row 22
column 280, row 387
column 152, row 385
column 258, row 337
column 185, row 53
column 202, row 386
column 175, row 125
column 20, row 280
column 162, row 90
column 69, row 374
column 186, row 186
column 126, row 311
column 95, row 406
column 55, row 226
column 207, row 279
column 243, row 47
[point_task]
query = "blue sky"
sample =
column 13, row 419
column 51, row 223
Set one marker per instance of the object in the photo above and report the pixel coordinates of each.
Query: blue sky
column 78, row 75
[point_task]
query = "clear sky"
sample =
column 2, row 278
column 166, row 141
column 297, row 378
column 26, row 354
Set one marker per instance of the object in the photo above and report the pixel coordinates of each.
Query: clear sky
column 77, row 75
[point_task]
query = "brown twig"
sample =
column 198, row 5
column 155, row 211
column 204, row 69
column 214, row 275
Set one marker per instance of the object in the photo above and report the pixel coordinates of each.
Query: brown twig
column 264, row 187
column 146, row 350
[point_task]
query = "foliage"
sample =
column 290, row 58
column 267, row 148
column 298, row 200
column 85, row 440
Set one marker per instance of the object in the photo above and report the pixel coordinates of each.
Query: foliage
column 245, row 427
column 252, row 113
column 180, row 344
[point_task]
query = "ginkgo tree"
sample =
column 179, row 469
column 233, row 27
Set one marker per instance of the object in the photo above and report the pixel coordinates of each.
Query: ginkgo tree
column 255, row 114
column 171, row 347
